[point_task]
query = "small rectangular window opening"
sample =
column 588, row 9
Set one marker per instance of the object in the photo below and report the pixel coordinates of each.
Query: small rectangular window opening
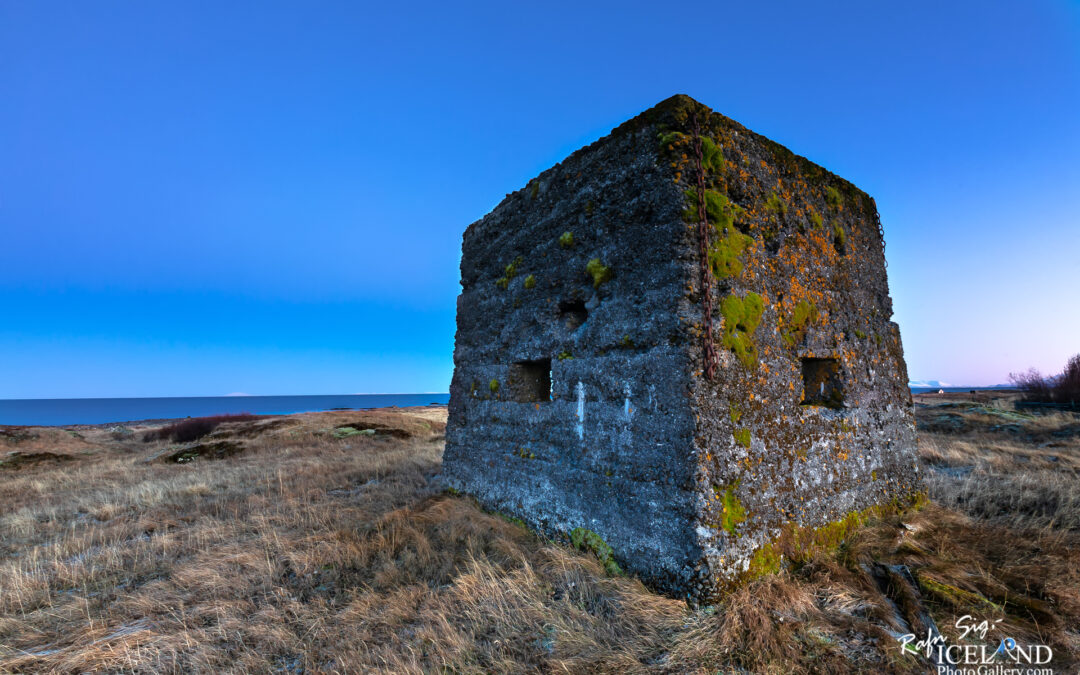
column 572, row 312
column 530, row 381
column 822, row 385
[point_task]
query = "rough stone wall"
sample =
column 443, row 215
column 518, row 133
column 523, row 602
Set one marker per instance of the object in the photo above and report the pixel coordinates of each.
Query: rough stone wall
column 609, row 452
column 809, row 417
column 689, row 480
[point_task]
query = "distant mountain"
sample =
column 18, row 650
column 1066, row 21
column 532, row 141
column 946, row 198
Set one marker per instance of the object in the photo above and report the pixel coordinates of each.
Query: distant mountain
column 928, row 384
column 938, row 384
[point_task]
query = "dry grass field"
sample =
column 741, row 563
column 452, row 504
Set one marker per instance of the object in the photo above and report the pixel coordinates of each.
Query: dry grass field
column 323, row 542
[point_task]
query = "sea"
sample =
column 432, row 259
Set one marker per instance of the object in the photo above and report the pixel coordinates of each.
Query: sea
column 69, row 411
column 930, row 390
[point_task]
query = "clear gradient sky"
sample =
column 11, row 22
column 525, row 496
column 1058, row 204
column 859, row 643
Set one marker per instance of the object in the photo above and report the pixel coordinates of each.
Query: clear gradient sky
column 200, row 198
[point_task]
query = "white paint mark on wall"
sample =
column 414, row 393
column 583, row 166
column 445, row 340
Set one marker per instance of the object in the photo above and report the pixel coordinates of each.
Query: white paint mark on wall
column 580, row 391
column 627, row 410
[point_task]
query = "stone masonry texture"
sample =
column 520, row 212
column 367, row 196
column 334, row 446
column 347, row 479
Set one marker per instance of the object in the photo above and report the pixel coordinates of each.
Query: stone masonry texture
column 580, row 397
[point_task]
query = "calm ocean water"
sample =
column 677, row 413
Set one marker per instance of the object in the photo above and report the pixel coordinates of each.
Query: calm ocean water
column 63, row 411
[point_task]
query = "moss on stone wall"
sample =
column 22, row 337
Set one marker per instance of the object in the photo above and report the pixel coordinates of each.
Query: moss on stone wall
column 741, row 319
column 765, row 561
column 718, row 209
column 587, row 540
column 800, row 544
column 794, row 330
column 599, row 272
column 775, row 205
column 731, row 509
column 742, row 437
column 509, row 273
column 727, row 244
column 712, row 156
column 726, row 250
column 833, row 198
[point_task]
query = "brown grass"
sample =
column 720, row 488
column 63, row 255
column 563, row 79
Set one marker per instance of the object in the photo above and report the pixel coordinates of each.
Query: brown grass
column 193, row 428
column 309, row 552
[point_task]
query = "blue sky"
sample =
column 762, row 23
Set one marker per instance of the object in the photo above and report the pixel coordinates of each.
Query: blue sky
column 268, row 197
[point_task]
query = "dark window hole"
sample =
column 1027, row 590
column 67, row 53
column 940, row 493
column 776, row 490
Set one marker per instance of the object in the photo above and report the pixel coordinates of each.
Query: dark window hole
column 822, row 385
column 530, row 381
column 573, row 313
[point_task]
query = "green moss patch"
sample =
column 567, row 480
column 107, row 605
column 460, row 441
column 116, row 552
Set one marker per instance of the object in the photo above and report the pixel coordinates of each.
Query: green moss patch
column 834, row 199
column 509, row 273
column 712, row 156
column 765, row 561
column 587, row 540
column 959, row 598
column 493, row 386
column 530, row 281
column 804, row 314
column 670, row 138
column 741, row 319
column 599, row 272
column 726, row 250
column 800, row 544
column 742, row 437
column 566, row 239
column 775, row 205
column 732, row 511
column 718, row 208
column 727, row 243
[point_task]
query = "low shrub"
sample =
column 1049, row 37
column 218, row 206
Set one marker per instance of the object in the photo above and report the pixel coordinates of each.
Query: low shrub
column 1061, row 388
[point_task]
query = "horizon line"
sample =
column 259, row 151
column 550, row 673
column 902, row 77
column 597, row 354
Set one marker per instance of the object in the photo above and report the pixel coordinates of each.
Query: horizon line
column 108, row 398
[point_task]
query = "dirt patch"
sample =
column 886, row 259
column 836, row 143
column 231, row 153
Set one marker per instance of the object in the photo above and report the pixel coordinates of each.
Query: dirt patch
column 942, row 423
column 14, row 435
column 212, row 450
column 254, row 429
column 22, row 460
column 193, row 428
column 388, row 424
column 385, row 430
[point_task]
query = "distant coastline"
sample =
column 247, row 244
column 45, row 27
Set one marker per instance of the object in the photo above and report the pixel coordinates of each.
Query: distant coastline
column 95, row 411
column 919, row 389
column 76, row 411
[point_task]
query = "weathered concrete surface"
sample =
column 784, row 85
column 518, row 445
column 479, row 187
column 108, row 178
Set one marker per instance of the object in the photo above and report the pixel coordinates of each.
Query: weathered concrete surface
column 684, row 477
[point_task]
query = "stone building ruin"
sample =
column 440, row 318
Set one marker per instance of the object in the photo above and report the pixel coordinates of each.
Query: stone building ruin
column 678, row 342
